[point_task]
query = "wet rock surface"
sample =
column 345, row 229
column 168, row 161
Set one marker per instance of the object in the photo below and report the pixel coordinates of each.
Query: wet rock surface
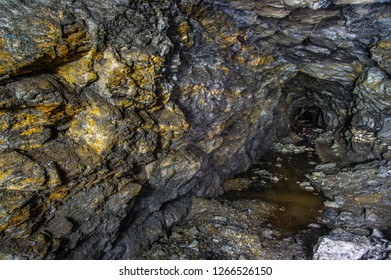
column 359, row 194
column 114, row 114
column 358, row 209
column 211, row 233
column 258, row 217
column 344, row 245
column 245, row 224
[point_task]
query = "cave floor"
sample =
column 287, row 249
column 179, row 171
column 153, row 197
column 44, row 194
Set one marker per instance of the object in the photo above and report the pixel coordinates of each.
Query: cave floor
column 283, row 208
column 269, row 212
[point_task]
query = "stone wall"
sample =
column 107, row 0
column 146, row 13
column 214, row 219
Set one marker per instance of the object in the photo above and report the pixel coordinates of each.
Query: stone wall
column 113, row 114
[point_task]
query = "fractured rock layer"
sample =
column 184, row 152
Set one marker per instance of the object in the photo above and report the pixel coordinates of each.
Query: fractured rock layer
column 113, row 114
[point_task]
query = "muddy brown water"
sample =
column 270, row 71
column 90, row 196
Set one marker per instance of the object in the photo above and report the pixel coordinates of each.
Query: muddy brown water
column 296, row 207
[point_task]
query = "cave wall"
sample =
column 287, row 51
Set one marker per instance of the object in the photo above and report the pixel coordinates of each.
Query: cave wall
column 113, row 114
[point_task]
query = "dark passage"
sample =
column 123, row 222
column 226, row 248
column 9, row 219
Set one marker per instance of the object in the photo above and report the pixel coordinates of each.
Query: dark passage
column 307, row 121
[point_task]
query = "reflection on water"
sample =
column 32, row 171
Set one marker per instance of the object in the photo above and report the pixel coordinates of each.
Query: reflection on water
column 280, row 185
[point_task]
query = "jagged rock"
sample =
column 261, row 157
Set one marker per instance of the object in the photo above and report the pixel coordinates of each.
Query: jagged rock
column 361, row 195
column 340, row 245
column 331, row 204
column 113, row 114
column 238, row 184
column 344, row 245
column 327, row 168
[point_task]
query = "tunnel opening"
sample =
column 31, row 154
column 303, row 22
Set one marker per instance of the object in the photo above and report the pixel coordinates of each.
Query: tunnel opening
column 311, row 108
column 308, row 121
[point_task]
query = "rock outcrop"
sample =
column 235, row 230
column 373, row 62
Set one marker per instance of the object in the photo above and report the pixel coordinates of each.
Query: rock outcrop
column 343, row 245
column 114, row 114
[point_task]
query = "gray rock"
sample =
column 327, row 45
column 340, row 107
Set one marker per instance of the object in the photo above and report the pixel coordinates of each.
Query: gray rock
column 326, row 167
column 305, row 184
column 313, row 225
column 331, row 204
column 193, row 244
column 267, row 233
column 114, row 114
column 341, row 245
column 377, row 233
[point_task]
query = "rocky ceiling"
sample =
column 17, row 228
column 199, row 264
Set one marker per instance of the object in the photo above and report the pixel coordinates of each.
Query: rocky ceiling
column 114, row 113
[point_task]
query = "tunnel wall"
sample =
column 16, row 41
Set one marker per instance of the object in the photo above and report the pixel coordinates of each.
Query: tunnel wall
column 113, row 114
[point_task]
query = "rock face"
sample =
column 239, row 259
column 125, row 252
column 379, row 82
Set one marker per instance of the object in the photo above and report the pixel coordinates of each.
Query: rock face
column 113, row 114
column 359, row 210
column 343, row 245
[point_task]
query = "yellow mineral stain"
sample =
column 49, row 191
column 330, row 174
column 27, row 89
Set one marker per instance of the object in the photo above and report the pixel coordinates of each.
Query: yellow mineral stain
column 384, row 44
column 32, row 130
column 85, row 128
column 357, row 68
column 2, row 228
column 261, row 60
column 4, row 174
column 4, row 125
column 135, row 82
column 368, row 198
column 223, row 68
column 27, row 182
column 59, row 194
column 35, row 116
column 5, row 56
column 19, row 218
column 79, row 72
column 51, row 48
column 25, row 120
column 30, row 146
column 184, row 33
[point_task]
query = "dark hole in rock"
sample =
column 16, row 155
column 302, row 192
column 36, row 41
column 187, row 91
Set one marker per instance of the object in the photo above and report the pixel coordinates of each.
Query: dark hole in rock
column 308, row 121
column 306, row 41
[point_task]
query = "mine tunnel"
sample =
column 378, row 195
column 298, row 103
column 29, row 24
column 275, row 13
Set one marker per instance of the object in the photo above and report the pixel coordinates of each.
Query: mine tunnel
column 163, row 129
column 307, row 119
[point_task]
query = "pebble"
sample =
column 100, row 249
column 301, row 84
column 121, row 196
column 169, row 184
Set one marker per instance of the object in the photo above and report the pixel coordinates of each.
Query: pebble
column 331, row 204
column 372, row 182
column 193, row 244
column 267, row 233
column 274, row 179
column 318, row 175
column 384, row 172
column 247, row 210
column 371, row 216
column 326, row 166
column 193, row 232
column 377, row 233
column 262, row 172
column 278, row 165
column 309, row 189
column 219, row 218
column 305, row 184
column 330, row 213
column 314, row 225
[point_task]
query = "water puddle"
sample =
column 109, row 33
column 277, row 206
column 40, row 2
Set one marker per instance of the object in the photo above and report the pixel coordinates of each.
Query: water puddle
column 277, row 179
